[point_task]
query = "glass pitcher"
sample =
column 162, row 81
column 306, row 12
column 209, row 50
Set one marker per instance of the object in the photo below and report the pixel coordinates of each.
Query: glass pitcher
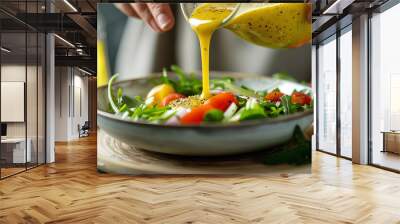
column 273, row 25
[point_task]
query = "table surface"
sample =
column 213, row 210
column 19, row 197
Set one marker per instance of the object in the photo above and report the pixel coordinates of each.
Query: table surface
column 117, row 157
column 390, row 132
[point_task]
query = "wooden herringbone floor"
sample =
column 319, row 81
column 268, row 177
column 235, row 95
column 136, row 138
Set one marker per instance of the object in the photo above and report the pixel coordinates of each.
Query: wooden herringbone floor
column 71, row 191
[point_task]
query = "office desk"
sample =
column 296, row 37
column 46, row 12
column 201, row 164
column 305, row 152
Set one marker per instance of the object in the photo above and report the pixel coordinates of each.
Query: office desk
column 13, row 150
column 391, row 141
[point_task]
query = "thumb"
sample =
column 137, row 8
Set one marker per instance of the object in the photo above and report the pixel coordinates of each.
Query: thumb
column 162, row 14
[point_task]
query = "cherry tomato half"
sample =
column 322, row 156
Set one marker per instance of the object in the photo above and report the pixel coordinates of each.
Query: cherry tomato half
column 222, row 101
column 300, row 98
column 196, row 115
column 171, row 97
column 274, row 96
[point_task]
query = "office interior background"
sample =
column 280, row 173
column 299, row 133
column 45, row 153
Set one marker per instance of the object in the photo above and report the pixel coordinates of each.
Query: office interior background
column 356, row 81
column 48, row 79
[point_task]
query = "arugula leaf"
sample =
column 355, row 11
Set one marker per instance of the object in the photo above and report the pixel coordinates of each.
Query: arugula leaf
column 120, row 103
column 296, row 152
column 268, row 105
column 179, row 72
column 285, row 100
column 288, row 106
column 214, row 115
column 131, row 102
column 253, row 110
column 228, row 85
column 187, row 85
column 153, row 114
column 275, row 111
column 241, row 101
column 164, row 77
column 111, row 98
column 284, row 76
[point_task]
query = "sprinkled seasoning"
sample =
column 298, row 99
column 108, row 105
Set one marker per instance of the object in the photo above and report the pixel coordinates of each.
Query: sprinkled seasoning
column 188, row 102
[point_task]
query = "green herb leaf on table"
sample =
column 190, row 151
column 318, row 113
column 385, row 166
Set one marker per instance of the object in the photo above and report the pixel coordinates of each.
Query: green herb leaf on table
column 296, row 152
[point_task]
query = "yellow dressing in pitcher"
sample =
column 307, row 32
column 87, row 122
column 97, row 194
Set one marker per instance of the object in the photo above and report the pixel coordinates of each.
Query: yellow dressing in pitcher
column 273, row 25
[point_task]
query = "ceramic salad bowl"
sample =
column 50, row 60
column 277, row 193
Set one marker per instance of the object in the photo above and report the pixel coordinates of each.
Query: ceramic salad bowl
column 204, row 139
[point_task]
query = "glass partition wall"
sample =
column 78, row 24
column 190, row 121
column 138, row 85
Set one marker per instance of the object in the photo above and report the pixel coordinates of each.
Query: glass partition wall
column 326, row 96
column 22, row 76
column 334, row 79
column 334, row 94
column 345, row 93
column 385, row 89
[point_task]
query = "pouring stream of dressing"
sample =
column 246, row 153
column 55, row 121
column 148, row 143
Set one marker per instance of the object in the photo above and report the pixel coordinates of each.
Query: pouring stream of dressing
column 204, row 21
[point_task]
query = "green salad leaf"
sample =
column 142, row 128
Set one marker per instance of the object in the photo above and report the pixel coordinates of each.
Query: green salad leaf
column 284, row 76
column 152, row 114
column 187, row 84
column 121, row 103
column 288, row 107
column 227, row 84
column 214, row 115
column 253, row 110
column 111, row 97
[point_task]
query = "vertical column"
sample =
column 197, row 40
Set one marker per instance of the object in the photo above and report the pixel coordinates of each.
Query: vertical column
column 360, row 90
column 50, row 92
column 338, row 81
column 314, row 90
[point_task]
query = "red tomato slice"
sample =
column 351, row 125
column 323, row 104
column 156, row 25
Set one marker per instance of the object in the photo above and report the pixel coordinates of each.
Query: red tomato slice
column 300, row 98
column 274, row 96
column 171, row 97
column 222, row 101
column 196, row 115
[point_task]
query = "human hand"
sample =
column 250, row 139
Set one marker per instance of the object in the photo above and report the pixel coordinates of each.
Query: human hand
column 157, row 15
column 309, row 10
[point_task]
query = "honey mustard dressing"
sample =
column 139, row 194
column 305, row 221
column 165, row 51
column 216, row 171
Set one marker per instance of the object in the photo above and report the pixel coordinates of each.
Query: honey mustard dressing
column 278, row 25
column 204, row 21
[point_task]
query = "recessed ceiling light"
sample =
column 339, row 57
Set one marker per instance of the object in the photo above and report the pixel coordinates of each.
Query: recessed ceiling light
column 70, row 5
column 84, row 71
column 337, row 7
column 5, row 50
column 64, row 40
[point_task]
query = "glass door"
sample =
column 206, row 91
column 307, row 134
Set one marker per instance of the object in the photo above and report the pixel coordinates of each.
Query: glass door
column 346, row 72
column 385, row 89
column 326, row 96
column 14, row 153
column 22, row 76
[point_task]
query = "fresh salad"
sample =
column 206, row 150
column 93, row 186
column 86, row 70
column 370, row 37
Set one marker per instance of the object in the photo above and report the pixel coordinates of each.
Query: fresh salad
column 178, row 101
